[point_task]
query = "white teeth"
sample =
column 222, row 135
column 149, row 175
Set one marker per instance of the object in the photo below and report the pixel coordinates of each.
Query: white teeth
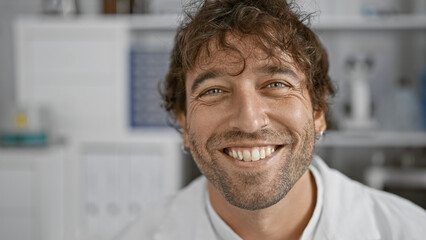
column 247, row 157
column 230, row 153
column 253, row 154
column 268, row 151
column 234, row 154
column 262, row 154
column 240, row 155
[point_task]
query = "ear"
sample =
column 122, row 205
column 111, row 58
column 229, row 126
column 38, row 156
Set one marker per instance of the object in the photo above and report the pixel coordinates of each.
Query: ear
column 182, row 121
column 319, row 121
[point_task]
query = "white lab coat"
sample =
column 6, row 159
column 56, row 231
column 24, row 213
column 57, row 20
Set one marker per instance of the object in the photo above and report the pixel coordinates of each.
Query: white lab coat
column 345, row 209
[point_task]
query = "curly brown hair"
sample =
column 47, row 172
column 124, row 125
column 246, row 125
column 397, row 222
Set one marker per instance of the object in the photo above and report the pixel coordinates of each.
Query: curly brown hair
column 272, row 24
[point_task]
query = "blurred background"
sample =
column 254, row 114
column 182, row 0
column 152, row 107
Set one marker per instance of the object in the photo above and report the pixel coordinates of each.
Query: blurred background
column 84, row 145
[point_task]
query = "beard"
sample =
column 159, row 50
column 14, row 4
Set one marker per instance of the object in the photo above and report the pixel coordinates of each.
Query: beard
column 254, row 189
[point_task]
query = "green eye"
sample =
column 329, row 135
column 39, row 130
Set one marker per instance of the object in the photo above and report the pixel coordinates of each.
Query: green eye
column 212, row 91
column 276, row 85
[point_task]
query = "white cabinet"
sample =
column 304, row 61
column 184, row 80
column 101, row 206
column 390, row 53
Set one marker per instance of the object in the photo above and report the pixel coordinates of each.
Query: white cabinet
column 32, row 192
column 117, row 178
column 78, row 69
column 75, row 68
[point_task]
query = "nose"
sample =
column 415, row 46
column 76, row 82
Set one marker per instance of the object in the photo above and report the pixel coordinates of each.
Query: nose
column 249, row 112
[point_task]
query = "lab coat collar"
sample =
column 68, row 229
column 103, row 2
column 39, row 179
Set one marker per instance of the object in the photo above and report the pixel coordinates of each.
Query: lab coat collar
column 343, row 215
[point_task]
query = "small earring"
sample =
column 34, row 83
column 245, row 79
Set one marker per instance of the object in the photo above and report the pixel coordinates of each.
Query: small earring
column 184, row 149
column 319, row 136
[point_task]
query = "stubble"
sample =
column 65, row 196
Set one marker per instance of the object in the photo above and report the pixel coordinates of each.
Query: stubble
column 255, row 189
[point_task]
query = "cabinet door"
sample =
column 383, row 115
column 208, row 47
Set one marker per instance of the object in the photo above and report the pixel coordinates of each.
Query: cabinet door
column 31, row 187
column 119, row 180
column 76, row 69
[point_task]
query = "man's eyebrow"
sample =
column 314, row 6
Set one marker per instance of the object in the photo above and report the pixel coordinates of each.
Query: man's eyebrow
column 274, row 69
column 214, row 73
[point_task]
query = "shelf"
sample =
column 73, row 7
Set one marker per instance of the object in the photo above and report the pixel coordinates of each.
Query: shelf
column 324, row 23
column 156, row 22
column 169, row 22
column 373, row 139
column 392, row 23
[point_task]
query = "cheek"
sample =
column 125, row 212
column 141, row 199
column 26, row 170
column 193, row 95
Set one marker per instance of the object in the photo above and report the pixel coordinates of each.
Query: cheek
column 202, row 121
column 294, row 113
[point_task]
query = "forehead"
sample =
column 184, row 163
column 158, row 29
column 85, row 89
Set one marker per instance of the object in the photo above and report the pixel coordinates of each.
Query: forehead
column 235, row 54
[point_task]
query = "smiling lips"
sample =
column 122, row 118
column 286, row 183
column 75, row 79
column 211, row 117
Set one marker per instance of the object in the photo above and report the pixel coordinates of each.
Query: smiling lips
column 250, row 154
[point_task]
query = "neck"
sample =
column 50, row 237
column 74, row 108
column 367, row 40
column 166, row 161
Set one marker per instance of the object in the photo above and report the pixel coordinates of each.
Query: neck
column 285, row 220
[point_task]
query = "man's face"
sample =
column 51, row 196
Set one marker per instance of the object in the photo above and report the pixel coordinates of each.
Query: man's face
column 250, row 133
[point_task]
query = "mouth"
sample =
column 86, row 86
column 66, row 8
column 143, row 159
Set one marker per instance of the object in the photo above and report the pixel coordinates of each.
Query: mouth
column 251, row 154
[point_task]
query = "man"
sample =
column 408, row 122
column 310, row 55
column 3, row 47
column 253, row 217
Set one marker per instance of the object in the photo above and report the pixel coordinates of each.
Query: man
column 248, row 84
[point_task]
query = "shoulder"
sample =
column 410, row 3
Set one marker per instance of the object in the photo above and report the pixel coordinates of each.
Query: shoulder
column 361, row 212
column 173, row 218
